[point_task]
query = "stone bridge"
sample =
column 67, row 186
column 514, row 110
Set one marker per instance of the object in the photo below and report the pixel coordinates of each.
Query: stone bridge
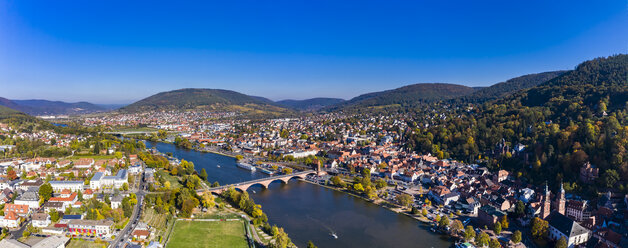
column 243, row 186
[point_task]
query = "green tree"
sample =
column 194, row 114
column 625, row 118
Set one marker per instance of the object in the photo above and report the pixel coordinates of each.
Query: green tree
column 469, row 233
column 215, row 184
column 54, row 215
column 520, row 209
column 482, row 239
column 497, row 228
column 539, row 228
column 45, row 191
column 516, row 237
column 203, row 174
column 456, row 226
column 444, row 221
column 609, row 178
column 494, row 244
column 337, row 181
column 311, row 245
column 504, row 222
column 404, row 199
column 561, row 243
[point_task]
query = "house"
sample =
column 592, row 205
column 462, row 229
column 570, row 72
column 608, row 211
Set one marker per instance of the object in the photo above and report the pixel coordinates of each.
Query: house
column 588, row 173
column 116, row 201
column 563, row 226
column 84, row 163
column 30, row 185
column 437, row 193
column 29, row 198
column 489, row 215
column 6, row 195
column 577, row 210
column 450, row 198
column 66, row 201
column 100, row 228
column 501, row 175
column 58, row 186
column 41, row 219
column 49, row 242
column 88, row 194
column 58, row 206
column 20, row 210
column 10, row 220
column 99, row 180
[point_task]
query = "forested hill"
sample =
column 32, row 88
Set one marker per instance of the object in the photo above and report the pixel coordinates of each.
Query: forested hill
column 580, row 116
column 310, row 104
column 406, row 96
column 207, row 99
column 45, row 107
column 510, row 86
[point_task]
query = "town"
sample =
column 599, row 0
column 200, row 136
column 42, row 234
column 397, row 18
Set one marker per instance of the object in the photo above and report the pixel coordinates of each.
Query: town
column 96, row 192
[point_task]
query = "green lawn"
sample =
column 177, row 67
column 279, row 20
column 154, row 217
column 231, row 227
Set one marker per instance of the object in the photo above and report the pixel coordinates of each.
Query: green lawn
column 174, row 181
column 85, row 244
column 208, row 234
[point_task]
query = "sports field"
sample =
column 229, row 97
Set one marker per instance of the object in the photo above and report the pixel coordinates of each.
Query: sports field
column 208, row 234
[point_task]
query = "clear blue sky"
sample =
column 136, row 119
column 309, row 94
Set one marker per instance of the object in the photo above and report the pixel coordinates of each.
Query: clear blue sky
column 122, row 51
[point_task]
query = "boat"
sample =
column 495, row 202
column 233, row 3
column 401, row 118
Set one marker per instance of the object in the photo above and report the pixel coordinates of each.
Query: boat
column 246, row 166
column 334, row 235
column 267, row 171
column 218, row 165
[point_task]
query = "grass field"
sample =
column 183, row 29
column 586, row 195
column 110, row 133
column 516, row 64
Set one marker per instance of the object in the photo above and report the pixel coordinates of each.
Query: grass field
column 208, row 234
column 174, row 181
column 84, row 244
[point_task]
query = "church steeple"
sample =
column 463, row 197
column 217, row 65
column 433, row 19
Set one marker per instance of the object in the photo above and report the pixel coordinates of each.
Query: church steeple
column 560, row 202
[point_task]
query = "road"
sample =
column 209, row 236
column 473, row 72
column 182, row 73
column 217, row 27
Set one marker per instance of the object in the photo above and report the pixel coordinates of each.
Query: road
column 125, row 233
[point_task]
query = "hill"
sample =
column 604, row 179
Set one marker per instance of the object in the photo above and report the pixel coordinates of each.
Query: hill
column 510, row 86
column 45, row 107
column 207, row 99
column 577, row 117
column 309, row 104
column 406, row 96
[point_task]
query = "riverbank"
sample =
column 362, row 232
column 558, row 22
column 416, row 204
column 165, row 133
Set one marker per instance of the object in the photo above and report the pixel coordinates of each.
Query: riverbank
column 378, row 203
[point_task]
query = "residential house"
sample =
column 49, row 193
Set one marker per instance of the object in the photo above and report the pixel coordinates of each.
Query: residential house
column 41, row 219
column 29, row 198
column 489, row 215
column 100, row 228
column 58, row 186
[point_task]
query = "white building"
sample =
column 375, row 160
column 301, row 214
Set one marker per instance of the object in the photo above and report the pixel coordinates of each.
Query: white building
column 74, row 186
column 29, row 198
column 562, row 226
column 41, row 220
column 100, row 181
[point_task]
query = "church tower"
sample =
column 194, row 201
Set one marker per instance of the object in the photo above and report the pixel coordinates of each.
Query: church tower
column 560, row 201
column 545, row 211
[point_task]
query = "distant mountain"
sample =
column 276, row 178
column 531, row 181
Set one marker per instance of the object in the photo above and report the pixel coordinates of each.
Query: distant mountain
column 309, row 104
column 510, row 86
column 208, row 99
column 111, row 106
column 406, row 96
column 45, row 107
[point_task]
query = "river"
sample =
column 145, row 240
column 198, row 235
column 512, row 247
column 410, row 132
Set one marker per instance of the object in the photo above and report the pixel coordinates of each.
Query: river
column 310, row 212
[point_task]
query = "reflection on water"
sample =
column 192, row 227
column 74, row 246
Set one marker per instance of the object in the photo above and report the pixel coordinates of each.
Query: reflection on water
column 309, row 212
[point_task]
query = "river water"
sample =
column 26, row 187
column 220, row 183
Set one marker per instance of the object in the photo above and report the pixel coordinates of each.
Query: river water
column 310, row 212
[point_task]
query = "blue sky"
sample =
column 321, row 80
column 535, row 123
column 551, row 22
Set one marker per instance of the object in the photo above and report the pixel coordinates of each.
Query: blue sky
column 122, row 51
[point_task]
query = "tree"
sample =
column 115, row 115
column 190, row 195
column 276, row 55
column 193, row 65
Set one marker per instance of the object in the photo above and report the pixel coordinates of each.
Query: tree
column 497, row 228
column 239, row 157
column 494, row 244
column 504, row 222
column 516, row 237
column 561, row 243
column 11, row 174
column 456, row 226
column 54, row 215
column 337, row 181
column 358, row 187
column 482, row 239
column 520, row 209
column 125, row 186
column 424, row 212
column 203, row 174
column 286, row 170
column 281, row 239
column 404, row 199
column 311, row 245
column 215, row 184
column 469, row 233
column 208, row 200
column 539, row 228
column 45, row 191
column 609, row 178
column 444, row 221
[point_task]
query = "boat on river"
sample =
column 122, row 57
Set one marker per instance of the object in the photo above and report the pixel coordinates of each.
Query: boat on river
column 246, row 166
